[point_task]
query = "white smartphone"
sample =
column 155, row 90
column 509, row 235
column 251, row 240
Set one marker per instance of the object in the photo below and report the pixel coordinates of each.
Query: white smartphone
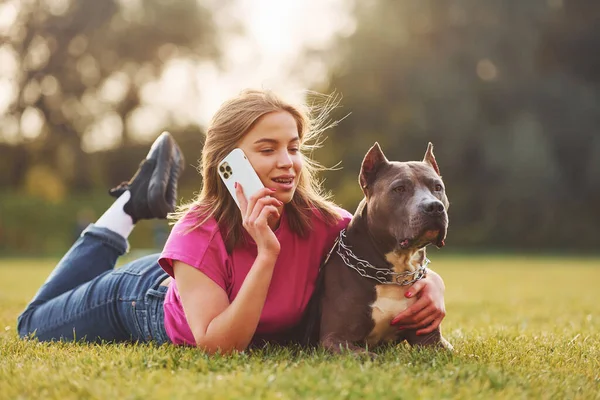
column 235, row 167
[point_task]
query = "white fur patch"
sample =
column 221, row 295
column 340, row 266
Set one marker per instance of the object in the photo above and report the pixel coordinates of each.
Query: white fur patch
column 390, row 300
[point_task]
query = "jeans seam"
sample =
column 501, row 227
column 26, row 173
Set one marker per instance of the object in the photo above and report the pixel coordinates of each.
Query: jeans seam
column 72, row 317
column 108, row 237
column 154, row 306
column 141, row 332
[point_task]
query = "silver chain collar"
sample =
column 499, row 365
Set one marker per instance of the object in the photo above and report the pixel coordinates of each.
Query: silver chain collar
column 384, row 276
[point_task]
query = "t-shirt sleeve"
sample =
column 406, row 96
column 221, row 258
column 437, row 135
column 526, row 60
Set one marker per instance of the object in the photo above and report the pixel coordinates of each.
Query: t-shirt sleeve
column 333, row 231
column 346, row 217
column 202, row 248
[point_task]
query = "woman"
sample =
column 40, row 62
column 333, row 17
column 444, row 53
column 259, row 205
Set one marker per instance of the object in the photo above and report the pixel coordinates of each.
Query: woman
column 230, row 276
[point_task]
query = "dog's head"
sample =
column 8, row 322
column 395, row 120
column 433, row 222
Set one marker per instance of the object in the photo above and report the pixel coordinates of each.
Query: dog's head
column 406, row 201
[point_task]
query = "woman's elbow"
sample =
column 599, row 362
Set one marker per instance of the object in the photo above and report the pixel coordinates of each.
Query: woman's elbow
column 212, row 350
column 219, row 348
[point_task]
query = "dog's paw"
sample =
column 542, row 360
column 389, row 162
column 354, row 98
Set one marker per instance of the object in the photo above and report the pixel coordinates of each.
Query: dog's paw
column 446, row 345
column 349, row 348
column 364, row 354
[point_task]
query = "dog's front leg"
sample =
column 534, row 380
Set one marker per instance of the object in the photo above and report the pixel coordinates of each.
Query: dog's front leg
column 433, row 338
column 337, row 345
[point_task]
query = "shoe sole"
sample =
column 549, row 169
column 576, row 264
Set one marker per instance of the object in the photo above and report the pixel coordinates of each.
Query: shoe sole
column 169, row 164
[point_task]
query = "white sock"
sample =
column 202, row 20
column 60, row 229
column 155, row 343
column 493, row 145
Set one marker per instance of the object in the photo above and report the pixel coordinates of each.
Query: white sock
column 116, row 219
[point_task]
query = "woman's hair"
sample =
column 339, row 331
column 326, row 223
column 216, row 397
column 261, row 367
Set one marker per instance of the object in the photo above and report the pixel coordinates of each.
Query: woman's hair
column 228, row 126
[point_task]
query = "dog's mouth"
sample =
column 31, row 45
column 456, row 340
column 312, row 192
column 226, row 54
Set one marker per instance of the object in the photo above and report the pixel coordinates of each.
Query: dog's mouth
column 434, row 236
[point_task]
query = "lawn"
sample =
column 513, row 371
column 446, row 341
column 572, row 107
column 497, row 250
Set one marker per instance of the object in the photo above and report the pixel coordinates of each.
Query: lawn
column 522, row 327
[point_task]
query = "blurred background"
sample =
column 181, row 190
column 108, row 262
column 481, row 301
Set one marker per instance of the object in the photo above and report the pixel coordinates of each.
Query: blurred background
column 508, row 92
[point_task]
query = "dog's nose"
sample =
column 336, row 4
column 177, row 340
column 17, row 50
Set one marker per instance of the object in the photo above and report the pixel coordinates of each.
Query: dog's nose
column 433, row 208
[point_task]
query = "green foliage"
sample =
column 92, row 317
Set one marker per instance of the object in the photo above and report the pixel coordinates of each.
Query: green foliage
column 520, row 330
column 507, row 92
column 30, row 225
column 515, row 135
column 80, row 68
column 43, row 220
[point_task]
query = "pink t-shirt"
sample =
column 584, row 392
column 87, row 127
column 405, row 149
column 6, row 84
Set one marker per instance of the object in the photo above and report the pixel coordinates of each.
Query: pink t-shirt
column 293, row 280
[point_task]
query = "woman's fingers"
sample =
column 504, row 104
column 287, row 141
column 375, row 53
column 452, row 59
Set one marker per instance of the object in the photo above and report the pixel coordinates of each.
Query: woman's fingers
column 417, row 326
column 259, row 207
column 255, row 217
column 420, row 319
column 405, row 317
column 241, row 197
column 263, row 218
column 247, row 204
column 415, row 288
column 262, row 193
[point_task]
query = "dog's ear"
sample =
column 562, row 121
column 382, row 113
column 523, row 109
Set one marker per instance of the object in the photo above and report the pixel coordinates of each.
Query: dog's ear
column 373, row 160
column 430, row 159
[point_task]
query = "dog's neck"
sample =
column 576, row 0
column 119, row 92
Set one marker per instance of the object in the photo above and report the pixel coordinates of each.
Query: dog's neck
column 376, row 253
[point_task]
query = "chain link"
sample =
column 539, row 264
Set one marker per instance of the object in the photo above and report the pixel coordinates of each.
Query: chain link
column 384, row 276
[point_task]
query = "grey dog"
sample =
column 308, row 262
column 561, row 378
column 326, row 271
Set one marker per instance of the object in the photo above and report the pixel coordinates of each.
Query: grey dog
column 382, row 253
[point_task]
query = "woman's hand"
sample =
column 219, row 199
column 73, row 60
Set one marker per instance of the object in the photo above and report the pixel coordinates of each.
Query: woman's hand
column 255, row 218
column 429, row 310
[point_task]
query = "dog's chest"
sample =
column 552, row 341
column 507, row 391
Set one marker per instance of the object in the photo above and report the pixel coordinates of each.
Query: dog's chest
column 390, row 301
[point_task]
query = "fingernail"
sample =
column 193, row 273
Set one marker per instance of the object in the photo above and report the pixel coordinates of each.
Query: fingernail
column 408, row 294
column 272, row 190
column 235, row 185
column 401, row 328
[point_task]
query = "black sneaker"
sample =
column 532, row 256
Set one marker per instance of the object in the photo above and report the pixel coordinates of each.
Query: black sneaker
column 154, row 186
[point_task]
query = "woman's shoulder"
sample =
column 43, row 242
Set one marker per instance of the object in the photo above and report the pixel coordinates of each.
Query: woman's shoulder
column 339, row 224
column 345, row 214
column 194, row 233
column 193, row 240
column 193, row 237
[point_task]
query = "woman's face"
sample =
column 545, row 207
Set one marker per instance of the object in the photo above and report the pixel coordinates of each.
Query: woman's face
column 272, row 147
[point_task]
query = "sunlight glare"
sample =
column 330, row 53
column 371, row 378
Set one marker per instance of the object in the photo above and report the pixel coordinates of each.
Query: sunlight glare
column 270, row 54
column 8, row 15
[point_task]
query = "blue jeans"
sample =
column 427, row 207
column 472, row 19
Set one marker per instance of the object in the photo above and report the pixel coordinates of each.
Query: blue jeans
column 86, row 298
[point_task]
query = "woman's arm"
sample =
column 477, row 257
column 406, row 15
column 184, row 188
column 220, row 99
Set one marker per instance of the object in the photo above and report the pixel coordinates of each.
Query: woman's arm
column 427, row 313
column 216, row 324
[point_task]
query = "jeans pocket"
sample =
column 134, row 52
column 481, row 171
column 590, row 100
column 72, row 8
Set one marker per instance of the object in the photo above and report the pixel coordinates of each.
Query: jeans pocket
column 155, row 299
column 139, row 314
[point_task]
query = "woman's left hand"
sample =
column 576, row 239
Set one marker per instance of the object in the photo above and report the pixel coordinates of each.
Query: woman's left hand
column 429, row 310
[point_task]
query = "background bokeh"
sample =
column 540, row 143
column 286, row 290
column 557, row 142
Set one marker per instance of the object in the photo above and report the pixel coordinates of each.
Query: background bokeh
column 508, row 92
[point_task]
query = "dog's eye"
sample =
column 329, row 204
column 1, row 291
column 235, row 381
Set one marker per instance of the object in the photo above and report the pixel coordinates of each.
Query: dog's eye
column 438, row 188
column 400, row 189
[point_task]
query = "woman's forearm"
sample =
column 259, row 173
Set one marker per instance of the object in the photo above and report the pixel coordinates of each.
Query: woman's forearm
column 234, row 328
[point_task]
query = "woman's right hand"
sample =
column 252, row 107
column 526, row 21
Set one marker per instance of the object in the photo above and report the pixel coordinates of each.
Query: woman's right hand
column 255, row 218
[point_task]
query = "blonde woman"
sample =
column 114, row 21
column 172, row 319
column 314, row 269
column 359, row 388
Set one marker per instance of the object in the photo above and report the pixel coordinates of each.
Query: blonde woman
column 226, row 278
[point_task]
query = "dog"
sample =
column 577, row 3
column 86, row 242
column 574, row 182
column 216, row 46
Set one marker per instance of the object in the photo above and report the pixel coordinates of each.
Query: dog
column 381, row 253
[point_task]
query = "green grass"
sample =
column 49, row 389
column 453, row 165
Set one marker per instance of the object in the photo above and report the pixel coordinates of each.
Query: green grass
column 521, row 327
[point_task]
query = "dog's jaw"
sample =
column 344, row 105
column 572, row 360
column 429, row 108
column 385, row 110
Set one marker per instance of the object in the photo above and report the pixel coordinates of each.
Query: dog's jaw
column 422, row 231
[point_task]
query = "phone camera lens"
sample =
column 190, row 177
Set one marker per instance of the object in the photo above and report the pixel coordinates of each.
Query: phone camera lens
column 228, row 169
column 226, row 175
column 221, row 169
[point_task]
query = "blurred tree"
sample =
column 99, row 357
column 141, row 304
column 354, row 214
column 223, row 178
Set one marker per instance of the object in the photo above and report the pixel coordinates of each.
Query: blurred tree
column 516, row 141
column 571, row 40
column 80, row 66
